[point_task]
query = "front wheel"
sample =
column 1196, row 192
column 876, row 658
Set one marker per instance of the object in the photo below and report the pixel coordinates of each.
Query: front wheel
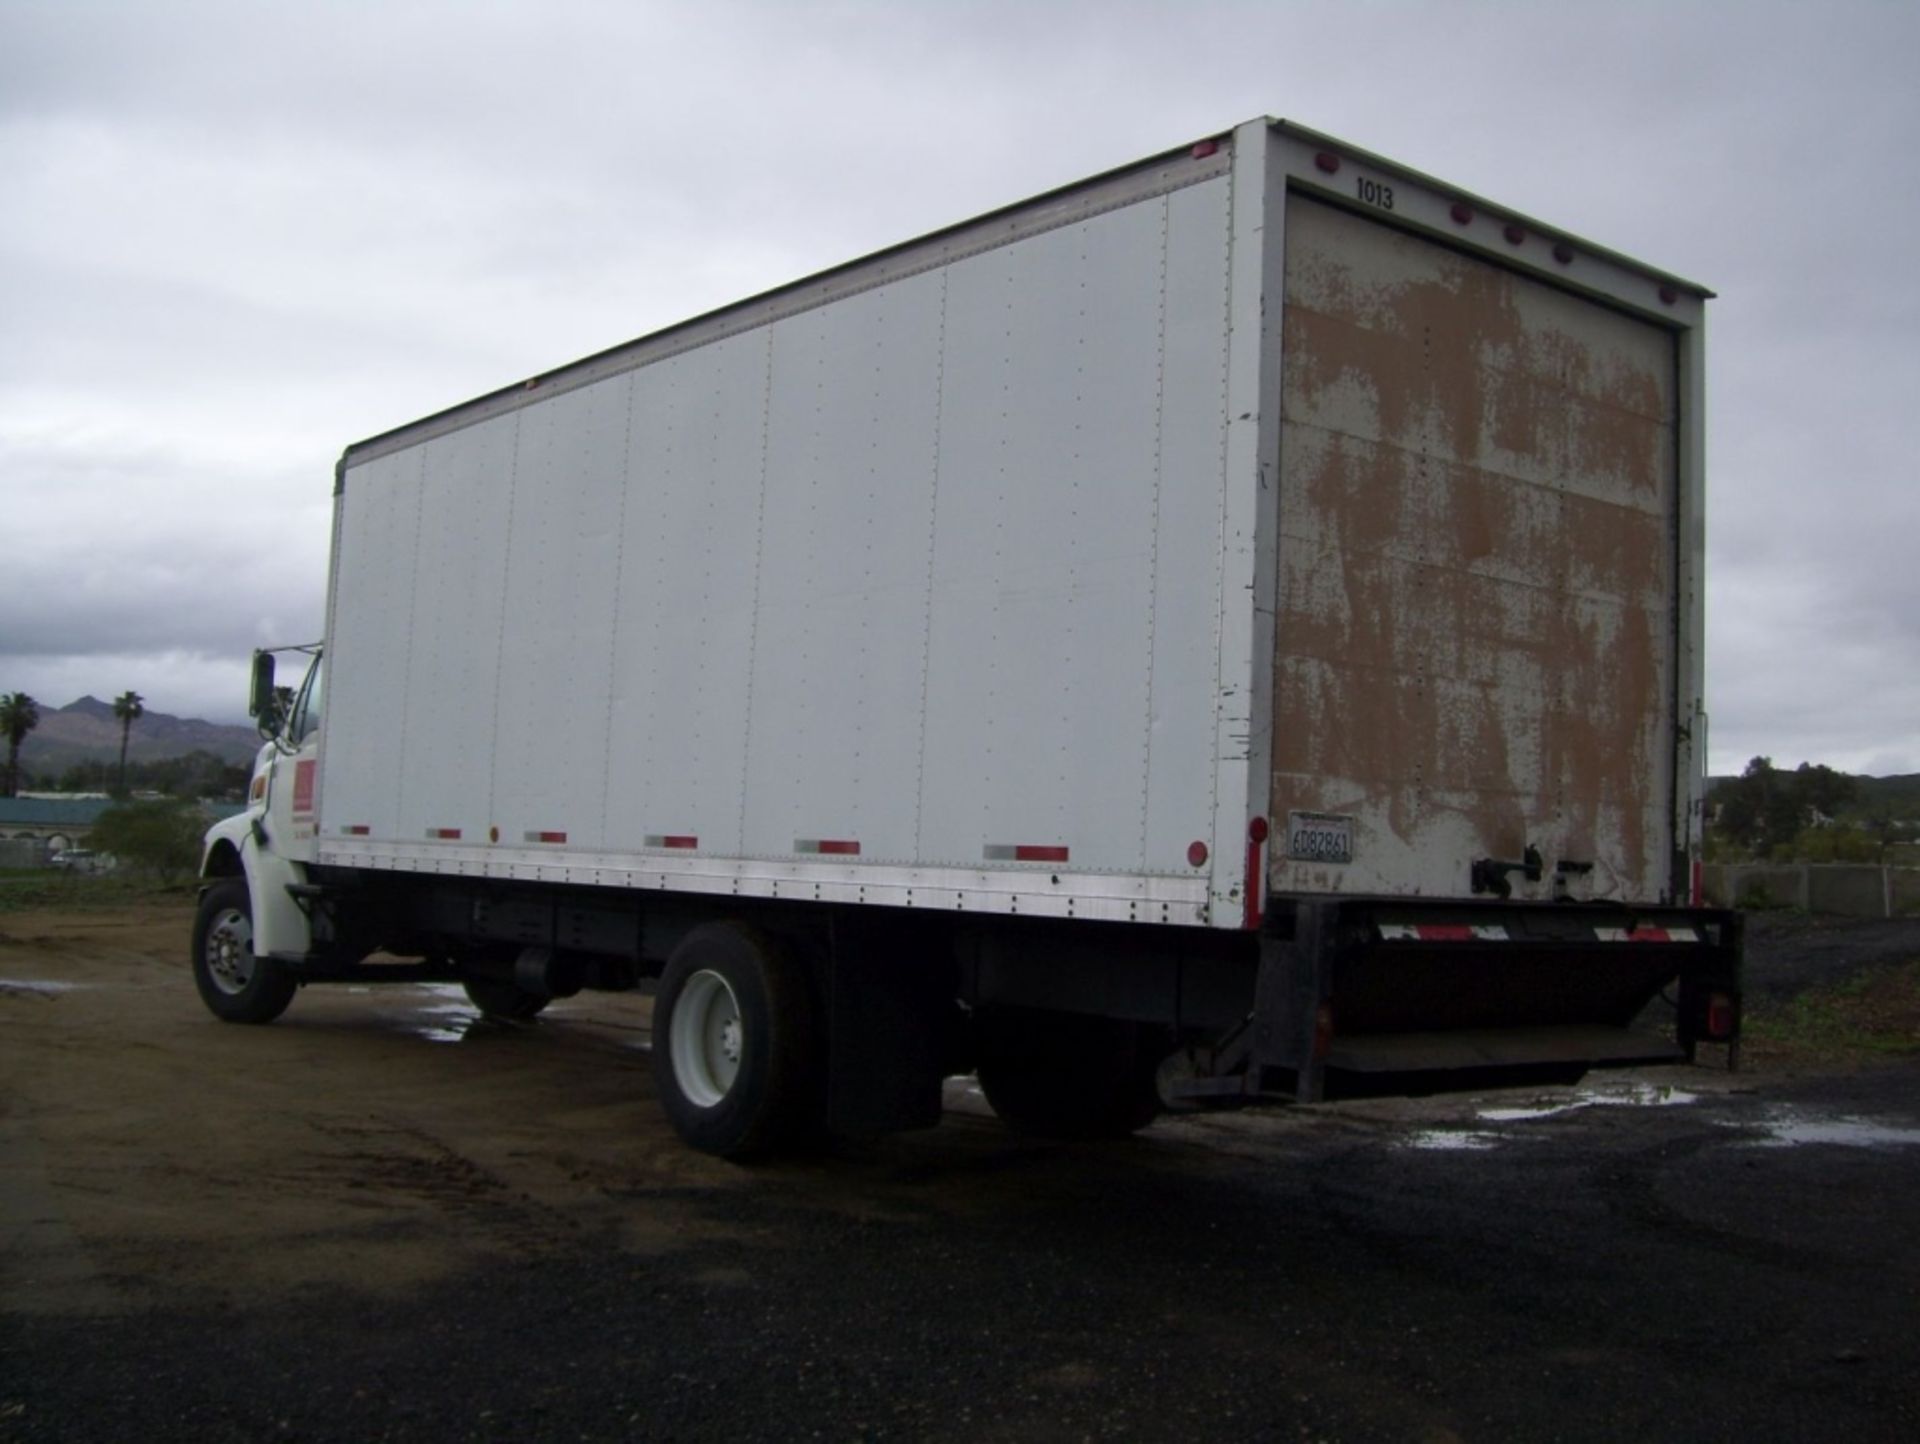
column 735, row 1050
column 236, row 986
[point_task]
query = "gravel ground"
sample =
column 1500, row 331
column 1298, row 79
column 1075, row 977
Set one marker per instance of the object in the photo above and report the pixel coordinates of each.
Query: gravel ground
column 381, row 1220
column 1788, row 952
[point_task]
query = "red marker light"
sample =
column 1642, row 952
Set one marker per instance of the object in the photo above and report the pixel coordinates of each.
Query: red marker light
column 1205, row 148
column 1563, row 253
column 1462, row 213
column 1514, row 234
column 1720, row 1016
column 1668, row 295
column 1197, row 854
column 1257, row 830
column 1327, row 161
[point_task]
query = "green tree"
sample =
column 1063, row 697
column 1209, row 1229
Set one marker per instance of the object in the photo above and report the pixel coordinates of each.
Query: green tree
column 129, row 709
column 1765, row 811
column 161, row 836
column 19, row 715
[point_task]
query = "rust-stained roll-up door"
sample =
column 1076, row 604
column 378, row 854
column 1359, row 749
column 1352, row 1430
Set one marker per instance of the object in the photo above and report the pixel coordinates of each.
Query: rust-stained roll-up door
column 1475, row 630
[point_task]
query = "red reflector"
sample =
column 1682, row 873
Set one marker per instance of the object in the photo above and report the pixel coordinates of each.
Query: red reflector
column 1720, row 1016
column 444, row 834
column 830, row 846
column 1323, row 1030
column 1446, row 933
column 1514, row 234
column 1462, row 213
column 1205, row 148
column 1023, row 853
column 1197, row 854
column 1327, row 161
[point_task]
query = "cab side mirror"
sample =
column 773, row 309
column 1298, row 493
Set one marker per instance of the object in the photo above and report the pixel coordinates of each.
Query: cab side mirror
column 262, row 705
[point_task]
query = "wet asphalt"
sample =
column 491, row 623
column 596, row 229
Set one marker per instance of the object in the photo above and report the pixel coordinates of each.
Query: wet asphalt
column 1739, row 1264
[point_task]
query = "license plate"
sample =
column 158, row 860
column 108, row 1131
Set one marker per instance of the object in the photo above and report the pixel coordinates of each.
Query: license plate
column 1319, row 837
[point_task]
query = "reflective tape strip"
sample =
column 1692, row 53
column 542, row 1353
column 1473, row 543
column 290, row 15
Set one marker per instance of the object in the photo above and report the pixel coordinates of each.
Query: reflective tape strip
column 357, row 829
column 1646, row 935
column 684, row 840
column 546, row 837
column 827, row 846
column 444, row 834
column 1023, row 852
column 1442, row 933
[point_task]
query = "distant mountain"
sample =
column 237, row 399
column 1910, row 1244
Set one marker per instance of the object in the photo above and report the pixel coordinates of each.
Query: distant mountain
column 87, row 731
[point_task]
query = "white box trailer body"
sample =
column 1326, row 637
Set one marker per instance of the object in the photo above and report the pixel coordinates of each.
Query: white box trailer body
column 998, row 571
column 1252, row 596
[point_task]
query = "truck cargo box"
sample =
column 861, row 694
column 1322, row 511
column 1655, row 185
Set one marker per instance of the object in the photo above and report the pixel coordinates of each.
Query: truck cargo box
column 1022, row 568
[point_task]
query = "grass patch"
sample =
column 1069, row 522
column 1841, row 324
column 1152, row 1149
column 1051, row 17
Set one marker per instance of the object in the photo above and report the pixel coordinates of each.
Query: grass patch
column 52, row 890
column 1870, row 1017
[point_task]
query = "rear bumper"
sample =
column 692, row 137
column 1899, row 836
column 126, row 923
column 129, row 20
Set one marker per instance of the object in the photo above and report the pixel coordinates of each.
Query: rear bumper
column 1379, row 987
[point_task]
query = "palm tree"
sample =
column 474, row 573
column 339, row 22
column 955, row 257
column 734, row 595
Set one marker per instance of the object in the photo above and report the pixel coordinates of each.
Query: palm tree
column 128, row 709
column 19, row 715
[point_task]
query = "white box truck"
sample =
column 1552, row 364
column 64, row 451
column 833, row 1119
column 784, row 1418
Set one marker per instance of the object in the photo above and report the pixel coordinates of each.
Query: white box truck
column 1230, row 628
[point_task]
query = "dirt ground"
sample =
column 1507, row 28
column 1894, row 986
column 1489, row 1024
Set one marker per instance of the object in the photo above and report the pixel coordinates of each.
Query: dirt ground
column 382, row 1218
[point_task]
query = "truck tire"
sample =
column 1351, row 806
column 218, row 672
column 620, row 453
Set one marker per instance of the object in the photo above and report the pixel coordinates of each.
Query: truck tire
column 236, row 986
column 1067, row 1075
column 498, row 999
column 735, row 1043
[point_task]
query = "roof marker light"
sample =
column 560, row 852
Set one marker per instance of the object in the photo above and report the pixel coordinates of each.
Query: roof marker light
column 1514, row 234
column 1327, row 161
column 1205, row 148
column 1668, row 295
column 1462, row 213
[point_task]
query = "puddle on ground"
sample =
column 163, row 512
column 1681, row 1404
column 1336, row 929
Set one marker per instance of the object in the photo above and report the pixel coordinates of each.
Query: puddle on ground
column 37, row 987
column 1631, row 1095
column 1444, row 1140
column 1606, row 1095
column 1789, row 1128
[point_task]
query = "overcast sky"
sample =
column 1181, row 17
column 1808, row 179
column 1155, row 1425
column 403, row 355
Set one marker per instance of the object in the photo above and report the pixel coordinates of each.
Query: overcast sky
column 236, row 236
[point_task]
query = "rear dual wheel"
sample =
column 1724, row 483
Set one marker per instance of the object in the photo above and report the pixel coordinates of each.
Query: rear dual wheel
column 736, row 1043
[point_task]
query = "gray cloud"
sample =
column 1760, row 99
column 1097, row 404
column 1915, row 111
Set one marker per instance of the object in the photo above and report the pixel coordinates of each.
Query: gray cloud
column 238, row 236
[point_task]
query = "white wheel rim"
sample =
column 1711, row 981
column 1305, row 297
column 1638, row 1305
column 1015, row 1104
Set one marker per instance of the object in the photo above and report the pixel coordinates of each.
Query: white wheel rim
column 230, row 951
column 706, row 1038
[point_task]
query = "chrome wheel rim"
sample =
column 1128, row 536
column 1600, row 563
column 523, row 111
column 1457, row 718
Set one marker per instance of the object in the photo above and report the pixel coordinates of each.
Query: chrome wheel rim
column 706, row 1038
column 230, row 951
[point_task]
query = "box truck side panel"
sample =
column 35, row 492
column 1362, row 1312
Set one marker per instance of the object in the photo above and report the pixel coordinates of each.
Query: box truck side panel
column 1475, row 634
column 562, row 576
column 929, row 572
column 683, row 621
column 1075, row 545
column 839, row 640
column 362, row 752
